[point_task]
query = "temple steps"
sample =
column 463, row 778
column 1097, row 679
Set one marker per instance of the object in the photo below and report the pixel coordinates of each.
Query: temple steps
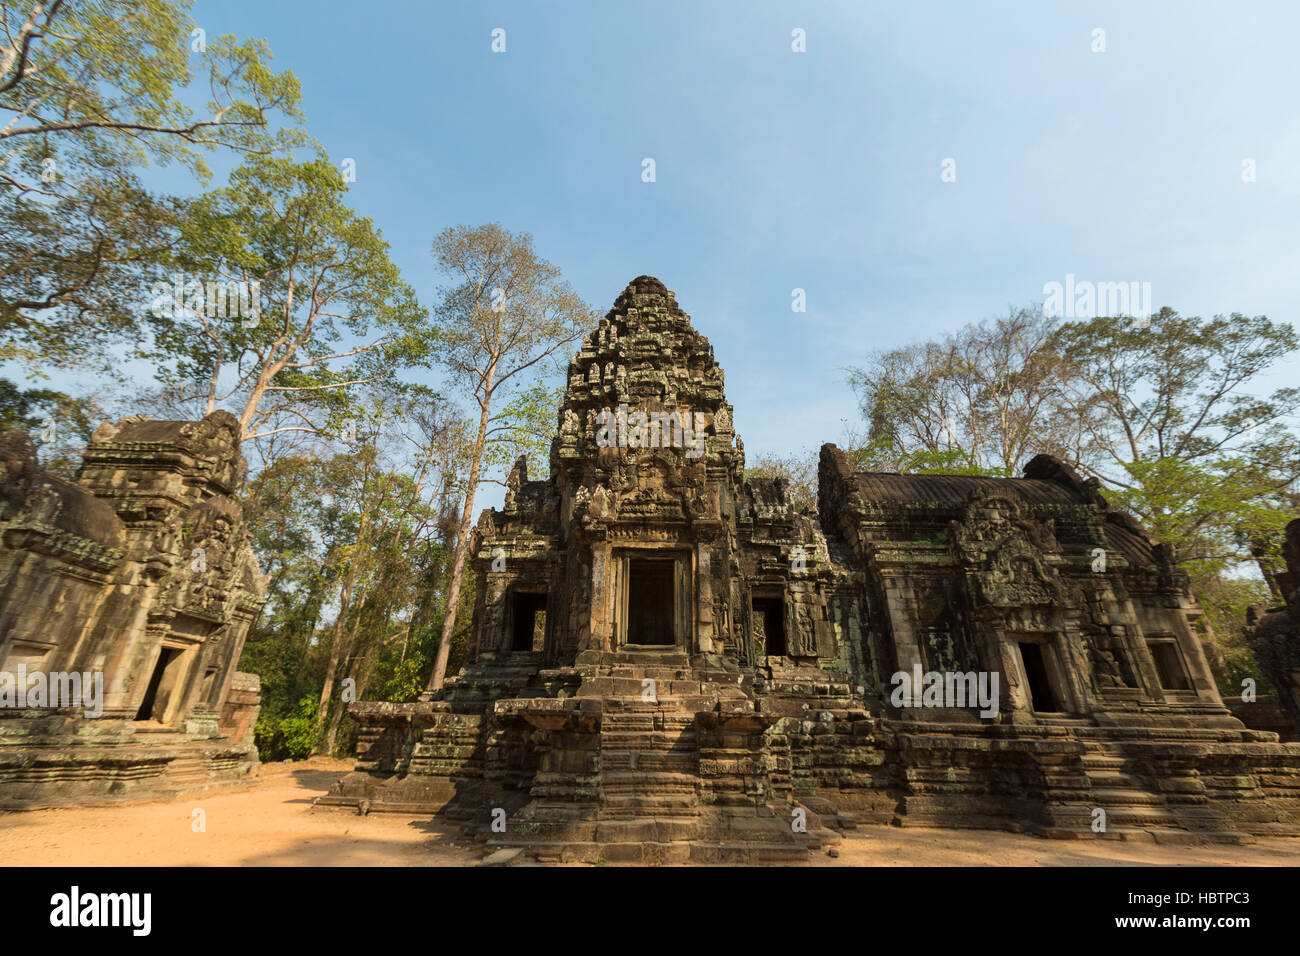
column 652, row 853
column 648, row 805
column 633, row 689
column 1135, row 808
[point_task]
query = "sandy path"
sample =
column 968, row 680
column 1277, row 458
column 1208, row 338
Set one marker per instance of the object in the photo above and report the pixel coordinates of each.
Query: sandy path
column 270, row 824
column 273, row 824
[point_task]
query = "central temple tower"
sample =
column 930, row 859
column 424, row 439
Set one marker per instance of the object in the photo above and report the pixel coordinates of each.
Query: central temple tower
column 627, row 546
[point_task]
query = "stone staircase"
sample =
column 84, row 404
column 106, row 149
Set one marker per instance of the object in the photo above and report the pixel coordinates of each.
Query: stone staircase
column 511, row 675
column 1168, row 805
column 1062, row 768
column 655, row 799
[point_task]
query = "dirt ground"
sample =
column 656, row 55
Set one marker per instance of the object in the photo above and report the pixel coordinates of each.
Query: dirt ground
column 273, row 824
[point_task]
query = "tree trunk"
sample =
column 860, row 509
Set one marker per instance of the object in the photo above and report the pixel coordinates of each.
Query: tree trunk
column 1266, row 571
column 336, row 642
column 336, row 651
column 332, row 735
column 462, row 546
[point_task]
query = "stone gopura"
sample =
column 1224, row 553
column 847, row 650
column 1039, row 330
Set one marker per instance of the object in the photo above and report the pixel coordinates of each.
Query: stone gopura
column 137, row 578
column 671, row 664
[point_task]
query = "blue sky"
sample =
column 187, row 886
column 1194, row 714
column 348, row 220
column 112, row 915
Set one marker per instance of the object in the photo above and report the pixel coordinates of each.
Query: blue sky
column 821, row 170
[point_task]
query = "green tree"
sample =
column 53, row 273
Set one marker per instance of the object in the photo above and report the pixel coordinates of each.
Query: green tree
column 503, row 316
column 1181, row 437
column 291, row 302
column 91, row 91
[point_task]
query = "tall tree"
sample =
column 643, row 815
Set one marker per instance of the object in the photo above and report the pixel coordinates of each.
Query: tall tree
column 503, row 316
column 394, row 494
column 980, row 401
column 286, row 303
column 90, row 91
column 1182, row 436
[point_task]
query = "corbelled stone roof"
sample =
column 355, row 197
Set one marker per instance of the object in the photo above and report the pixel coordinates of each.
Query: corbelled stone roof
column 956, row 490
column 74, row 510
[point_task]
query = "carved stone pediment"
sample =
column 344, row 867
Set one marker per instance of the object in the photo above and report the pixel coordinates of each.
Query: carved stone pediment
column 1005, row 553
column 207, row 562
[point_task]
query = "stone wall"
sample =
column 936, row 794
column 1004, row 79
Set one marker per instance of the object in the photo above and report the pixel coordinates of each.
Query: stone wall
column 138, row 578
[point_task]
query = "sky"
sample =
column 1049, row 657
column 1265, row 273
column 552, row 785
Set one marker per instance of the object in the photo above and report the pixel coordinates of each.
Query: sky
column 821, row 170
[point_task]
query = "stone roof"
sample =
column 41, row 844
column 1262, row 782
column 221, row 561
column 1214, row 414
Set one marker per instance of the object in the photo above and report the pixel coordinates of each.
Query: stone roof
column 956, row 490
column 139, row 429
column 68, row 508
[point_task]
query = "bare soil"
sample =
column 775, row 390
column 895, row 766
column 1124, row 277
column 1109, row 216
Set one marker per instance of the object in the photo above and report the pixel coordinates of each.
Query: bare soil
column 272, row 823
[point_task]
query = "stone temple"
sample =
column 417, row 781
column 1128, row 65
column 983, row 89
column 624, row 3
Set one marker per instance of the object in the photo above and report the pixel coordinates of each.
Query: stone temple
column 670, row 663
column 125, row 599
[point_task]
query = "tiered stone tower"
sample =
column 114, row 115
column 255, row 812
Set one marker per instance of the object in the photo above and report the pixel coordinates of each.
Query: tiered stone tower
column 671, row 664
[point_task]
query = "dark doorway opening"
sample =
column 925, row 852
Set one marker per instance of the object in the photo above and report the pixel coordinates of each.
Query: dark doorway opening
column 1040, row 687
column 529, row 622
column 1169, row 668
column 769, row 615
column 157, row 696
column 650, row 605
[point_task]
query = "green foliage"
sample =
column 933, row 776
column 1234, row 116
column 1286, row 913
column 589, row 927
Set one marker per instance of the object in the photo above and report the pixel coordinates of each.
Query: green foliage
column 1225, row 600
column 1208, row 465
column 60, row 424
column 531, row 417
column 323, row 309
column 91, row 91
column 288, row 737
column 881, row 454
column 30, row 408
column 1204, row 511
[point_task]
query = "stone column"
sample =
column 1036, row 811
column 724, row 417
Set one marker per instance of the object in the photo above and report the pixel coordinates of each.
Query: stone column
column 600, row 632
column 703, row 599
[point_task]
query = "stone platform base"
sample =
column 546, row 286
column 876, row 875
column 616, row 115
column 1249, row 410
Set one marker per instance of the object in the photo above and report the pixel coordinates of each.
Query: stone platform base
column 52, row 761
column 724, row 766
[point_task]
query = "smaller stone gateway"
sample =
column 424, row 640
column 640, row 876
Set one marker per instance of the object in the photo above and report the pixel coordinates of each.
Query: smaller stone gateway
column 672, row 663
column 125, row 602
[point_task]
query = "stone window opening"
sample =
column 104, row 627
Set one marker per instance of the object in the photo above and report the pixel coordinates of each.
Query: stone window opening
column 769, row 625
column 528, row 631
column 1169, row 665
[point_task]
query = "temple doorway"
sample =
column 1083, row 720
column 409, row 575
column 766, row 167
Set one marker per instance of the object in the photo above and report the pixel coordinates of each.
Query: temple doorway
column 650, row 602
column 528, row 631
column 769, row 625
column 1042, row 698
column 165, row 680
